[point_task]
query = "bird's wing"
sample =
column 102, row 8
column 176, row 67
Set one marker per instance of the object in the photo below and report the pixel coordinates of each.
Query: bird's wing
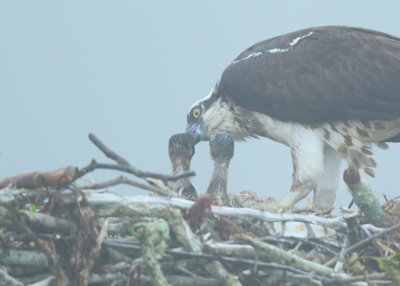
column 317, row 75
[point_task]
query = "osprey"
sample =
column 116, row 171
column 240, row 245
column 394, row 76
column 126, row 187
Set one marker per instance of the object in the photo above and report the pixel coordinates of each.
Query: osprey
column 328, row 93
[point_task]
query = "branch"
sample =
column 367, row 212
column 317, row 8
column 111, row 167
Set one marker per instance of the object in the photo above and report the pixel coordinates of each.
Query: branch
column 41, row 179
column 45, row 246
column 191, row 242
column 6, row 279
column 128, row 169
column 124, row 180
column 223, row 258
column 368, row 239
column 47, row 222
column 46, row 282
column 139, row 201
column 368, row 277
column 276, row 253
column 363, row 196
column 24, row 258
column 124, row 165
column 107, row 151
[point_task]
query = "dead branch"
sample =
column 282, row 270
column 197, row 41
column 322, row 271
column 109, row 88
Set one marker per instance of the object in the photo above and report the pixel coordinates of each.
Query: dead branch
column 106, row 279
column 45, row 246
column 24, row 258
column 41, row 179
column 127, row 169
column 46, row 282
column 6, row 279
column 364, row 197
column 192, row 243
column 124, row 165
column 275, row 253
column 114, row 202
column 93, row 254
column 370, row 238
column 107, row 151
column 235, row 257
column 123, row 180
column 46, row 222
column 179, row 280
column 359, row 278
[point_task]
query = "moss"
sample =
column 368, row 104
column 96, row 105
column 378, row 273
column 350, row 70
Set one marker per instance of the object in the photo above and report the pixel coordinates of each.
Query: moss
column 366, row 201
column 154, row 237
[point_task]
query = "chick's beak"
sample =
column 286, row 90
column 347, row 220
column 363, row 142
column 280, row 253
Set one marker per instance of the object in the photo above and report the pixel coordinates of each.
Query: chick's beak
column 196, row 130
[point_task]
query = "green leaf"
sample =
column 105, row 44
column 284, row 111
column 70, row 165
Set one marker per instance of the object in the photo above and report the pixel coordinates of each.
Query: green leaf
column 32, row 207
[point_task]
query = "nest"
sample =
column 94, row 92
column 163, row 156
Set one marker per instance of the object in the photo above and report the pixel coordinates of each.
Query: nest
column 55, row 232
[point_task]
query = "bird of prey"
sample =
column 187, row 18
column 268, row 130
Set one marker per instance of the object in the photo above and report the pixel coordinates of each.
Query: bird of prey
column 328, row 93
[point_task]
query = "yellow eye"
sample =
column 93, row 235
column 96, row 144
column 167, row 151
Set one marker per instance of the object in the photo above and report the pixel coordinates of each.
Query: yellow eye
column 196, row 113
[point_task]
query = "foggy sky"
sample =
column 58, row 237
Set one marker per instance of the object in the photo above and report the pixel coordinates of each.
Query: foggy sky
column 129, row 72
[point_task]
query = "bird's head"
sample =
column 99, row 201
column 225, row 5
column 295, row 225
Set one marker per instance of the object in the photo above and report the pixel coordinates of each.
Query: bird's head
column 195, row 123
column 217, row 114
column 203, row 117
column 214, row 115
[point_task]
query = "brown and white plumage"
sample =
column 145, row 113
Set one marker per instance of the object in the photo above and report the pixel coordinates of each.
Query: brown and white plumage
column 327, row 93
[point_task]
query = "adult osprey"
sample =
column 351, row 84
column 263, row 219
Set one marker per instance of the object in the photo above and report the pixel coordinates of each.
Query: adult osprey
column 327, row 92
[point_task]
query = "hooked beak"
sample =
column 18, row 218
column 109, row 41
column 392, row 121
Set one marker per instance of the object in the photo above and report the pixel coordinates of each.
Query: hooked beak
column 196, row 130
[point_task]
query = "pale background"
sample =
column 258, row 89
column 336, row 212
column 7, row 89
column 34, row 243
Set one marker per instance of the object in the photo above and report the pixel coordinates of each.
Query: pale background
column 129, row 71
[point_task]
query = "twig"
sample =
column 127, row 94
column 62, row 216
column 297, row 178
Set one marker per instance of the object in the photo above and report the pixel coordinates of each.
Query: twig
column 124, row 165
column 109, row 199
column 277, row 253
column 107, row 151
column 93, row 255
column 222, row 258
column 86, row 246
column 179, row 280
column 6, row 279
column 368, row 277
column 354, row 231
column 106, row 279
column 47, row 222
column 192, row 243
column 315, row 244
column 342, row 255
column 368, row 239
column 45, row 282
column 124, row 180
column 24, row 258
column 47, row 248
column 128, row 169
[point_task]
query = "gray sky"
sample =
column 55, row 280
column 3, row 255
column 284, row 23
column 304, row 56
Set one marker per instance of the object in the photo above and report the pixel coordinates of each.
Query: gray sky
column 129, row 71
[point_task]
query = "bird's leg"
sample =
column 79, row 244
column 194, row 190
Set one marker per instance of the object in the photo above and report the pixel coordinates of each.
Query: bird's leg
column 307, row 151
column 298, row 191
column 221, row 149
column 328, row 182
column 181, row 150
